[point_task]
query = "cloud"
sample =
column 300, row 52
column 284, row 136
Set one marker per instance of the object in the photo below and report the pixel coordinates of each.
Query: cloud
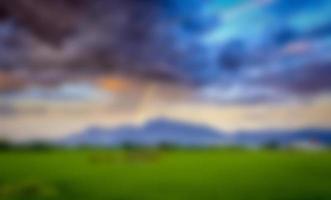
column 66, row 92
column 7, row 110
column 165, row 41
column 309, row 80
column 51, row 20
column 10, row 83
column 146, row 38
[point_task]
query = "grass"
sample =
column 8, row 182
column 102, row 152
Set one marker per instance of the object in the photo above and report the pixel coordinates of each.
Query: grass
column 156, row 175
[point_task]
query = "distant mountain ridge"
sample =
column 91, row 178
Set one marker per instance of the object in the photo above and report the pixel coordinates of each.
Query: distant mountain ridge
column 284, row 137
column 165, row 131
column 153, row 133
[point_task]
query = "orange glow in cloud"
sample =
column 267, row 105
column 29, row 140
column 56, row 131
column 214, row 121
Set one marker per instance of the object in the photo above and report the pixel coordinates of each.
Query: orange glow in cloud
column 9, row 82
column 115, row 84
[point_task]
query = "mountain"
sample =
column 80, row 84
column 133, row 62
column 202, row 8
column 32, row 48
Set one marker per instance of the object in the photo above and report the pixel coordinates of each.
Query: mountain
column 164, row 131
column 284, row 137
column 153, row 133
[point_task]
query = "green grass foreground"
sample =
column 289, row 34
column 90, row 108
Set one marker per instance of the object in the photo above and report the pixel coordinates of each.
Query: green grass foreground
column 165, row 175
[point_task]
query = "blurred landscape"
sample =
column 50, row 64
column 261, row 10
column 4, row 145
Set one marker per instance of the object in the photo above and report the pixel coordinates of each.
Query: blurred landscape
column 165, row 99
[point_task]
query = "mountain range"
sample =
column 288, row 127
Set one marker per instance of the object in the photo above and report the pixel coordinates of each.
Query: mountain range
column 165, row 131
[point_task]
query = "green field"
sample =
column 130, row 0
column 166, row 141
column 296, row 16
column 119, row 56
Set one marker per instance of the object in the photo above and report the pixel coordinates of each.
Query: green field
column 167, row 175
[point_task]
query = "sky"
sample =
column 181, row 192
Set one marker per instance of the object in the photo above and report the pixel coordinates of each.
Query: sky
column 231, row 64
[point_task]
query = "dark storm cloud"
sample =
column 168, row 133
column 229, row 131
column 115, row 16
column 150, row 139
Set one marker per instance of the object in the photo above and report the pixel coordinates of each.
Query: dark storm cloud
column 51, row 20
column 164, row 40
column 136, row 37
column 3, row 12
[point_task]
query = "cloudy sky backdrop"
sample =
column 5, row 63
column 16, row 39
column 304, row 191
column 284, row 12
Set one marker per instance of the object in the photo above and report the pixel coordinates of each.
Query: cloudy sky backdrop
column 232, row 64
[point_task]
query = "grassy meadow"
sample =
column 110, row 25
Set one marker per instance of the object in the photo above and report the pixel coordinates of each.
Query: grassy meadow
column 165, row 175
